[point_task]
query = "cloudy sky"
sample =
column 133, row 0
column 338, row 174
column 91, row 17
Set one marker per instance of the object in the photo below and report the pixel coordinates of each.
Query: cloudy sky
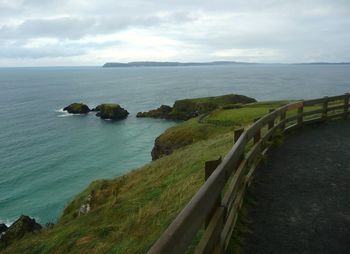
column 92, row 32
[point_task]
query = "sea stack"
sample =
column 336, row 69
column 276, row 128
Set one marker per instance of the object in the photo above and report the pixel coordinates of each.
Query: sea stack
column 77, row 108
column 111, row 111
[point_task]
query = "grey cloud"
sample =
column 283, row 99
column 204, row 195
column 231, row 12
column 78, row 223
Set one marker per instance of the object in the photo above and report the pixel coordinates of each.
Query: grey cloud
column 300, row 29
column 43, row 52
column 60, row 27
column 75, row 28
column 53, row 50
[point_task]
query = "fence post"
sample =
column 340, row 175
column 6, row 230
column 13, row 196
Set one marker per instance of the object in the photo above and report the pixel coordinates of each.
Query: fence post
column 300, row 114
column 325, row 108
column 272, row 122
column 346, row 105
column 210, row 166
column 282, row 118
column 238, row 133
column 257, row 136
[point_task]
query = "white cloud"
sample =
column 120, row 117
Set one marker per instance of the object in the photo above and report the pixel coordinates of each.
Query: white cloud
column 93, row 32
column 250, row 53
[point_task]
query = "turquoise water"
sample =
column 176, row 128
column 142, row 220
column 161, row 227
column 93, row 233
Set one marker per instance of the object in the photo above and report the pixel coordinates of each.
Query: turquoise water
column 47, row 156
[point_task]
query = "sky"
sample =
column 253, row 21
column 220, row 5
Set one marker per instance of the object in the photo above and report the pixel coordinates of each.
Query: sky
column 92, row 32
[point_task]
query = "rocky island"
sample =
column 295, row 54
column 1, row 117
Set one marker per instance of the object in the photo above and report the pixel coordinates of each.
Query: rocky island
column 104, row 111
column 77, row 108
column 111, row 111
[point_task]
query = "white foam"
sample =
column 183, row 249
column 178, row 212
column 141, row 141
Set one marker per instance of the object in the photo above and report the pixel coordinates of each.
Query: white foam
column 65, row 115
column 60, row 110
column 6, row 222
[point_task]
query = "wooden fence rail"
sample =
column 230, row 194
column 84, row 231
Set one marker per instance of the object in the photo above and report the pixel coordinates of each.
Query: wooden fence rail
column 217, row 203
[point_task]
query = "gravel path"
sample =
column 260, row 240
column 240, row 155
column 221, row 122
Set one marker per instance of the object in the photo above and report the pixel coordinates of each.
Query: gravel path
column 302, row 194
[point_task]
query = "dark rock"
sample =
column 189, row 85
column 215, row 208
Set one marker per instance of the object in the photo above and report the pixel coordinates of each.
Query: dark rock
column 162, row 149
column 111, row 111
column 77, row 108
column 96, row 109
column 19, row 228
column 3, row 228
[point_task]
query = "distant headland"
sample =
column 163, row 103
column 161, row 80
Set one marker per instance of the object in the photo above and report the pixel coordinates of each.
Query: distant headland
column 172, row 64
column 165, row 64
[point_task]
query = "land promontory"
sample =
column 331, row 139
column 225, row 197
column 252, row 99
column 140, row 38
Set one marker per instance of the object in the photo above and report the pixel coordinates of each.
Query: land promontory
column 189, row 108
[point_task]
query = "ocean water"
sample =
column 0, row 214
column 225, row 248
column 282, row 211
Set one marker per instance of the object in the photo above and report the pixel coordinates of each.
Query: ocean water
column 48, row 156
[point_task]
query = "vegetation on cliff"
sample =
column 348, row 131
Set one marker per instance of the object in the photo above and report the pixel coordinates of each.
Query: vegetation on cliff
column 217, row 122
column 190, row 108
column 127, row 214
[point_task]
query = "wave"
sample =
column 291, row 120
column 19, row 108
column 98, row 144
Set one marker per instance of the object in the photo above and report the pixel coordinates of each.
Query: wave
column 60, row 110
column 65, row 113
column 6, row 222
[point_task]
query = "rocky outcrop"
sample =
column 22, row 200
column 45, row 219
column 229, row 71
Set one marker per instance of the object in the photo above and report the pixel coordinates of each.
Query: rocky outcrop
column 85, row 206
column 111, row 111
column 161, row 149
column 77, row 108
column 189, row 108
column 3, row 228
column 18, row 229
column 161, row 112
column 187, row 133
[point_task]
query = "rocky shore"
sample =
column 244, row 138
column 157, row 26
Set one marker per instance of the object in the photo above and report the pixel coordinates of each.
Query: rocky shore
column 22, row 226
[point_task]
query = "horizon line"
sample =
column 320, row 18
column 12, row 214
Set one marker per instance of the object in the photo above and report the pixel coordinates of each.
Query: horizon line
column 179, row 62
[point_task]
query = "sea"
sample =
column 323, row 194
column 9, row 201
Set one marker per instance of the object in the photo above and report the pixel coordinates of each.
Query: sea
column 48, row 156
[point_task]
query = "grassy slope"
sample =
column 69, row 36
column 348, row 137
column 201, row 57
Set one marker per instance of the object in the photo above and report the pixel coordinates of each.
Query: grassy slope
column 129, row 213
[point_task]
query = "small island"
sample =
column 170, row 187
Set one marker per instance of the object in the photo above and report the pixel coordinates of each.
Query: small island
column 111, row 111
column 77, row 108
column 108, row 111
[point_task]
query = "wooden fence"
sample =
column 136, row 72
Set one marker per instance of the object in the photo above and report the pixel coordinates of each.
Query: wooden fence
column 216, row 205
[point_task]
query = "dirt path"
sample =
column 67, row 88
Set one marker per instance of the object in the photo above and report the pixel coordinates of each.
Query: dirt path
column 302, row 195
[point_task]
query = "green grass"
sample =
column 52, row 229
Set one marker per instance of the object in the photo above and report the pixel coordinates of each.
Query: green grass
column 190, row 132
column 129, row 213
column 243, row 115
